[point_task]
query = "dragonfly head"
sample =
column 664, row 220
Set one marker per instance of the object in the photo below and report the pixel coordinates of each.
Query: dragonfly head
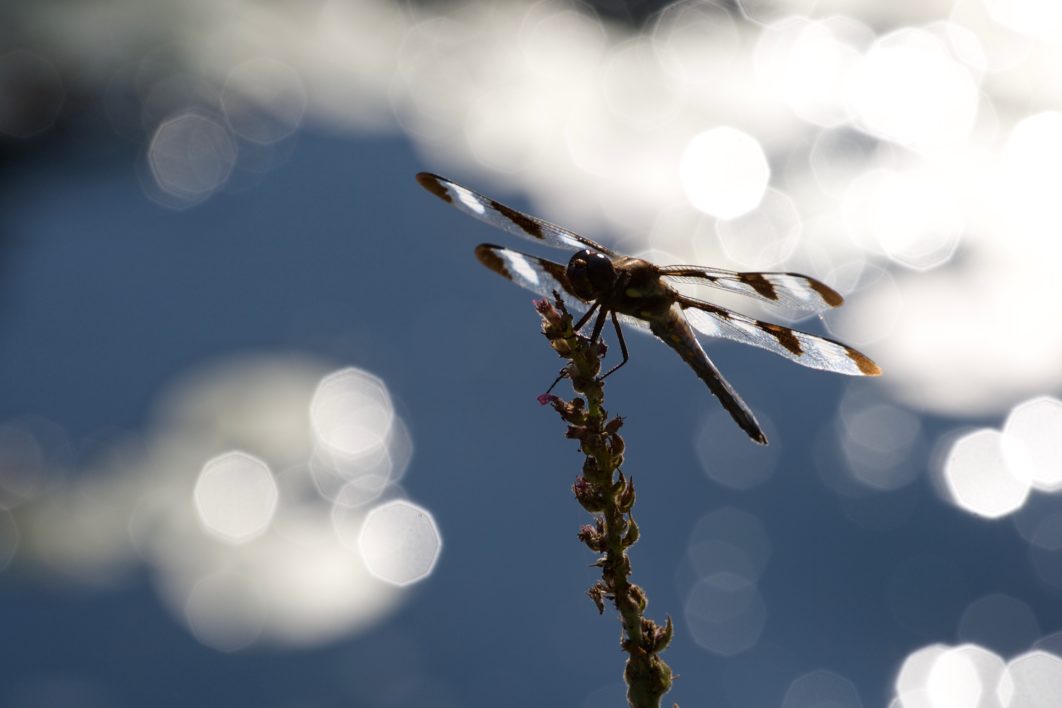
column 591, row 274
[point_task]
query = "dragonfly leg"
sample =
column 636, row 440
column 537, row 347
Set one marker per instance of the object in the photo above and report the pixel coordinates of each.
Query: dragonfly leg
column 583, row 320
column 623, row 346
column 598, row 325
column 562, row 375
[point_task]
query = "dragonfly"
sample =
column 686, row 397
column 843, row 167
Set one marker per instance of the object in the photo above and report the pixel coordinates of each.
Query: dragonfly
column 599, row 281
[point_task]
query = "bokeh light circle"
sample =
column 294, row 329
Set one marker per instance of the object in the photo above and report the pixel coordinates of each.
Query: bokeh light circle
column 724, row 172
column 236, row 497
column 351, row 413
column 191, row 157
column 264, row 100
column 978, row 476
column 400, row 542
column 1033, row 442
column 822, row 689
column 725, row 614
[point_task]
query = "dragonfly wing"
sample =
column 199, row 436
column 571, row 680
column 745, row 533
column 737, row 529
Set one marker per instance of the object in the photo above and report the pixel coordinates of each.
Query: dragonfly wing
column 801, row 347
column 792, row 291
column 504, row 217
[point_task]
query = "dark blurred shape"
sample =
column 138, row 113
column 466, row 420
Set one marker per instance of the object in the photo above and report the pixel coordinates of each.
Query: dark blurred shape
column 633, row 13
column 32, row 93
column 31, row 98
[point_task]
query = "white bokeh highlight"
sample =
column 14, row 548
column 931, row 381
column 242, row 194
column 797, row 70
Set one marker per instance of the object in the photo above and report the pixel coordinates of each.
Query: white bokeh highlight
column 724, row 172
column 808, row 63
column 940, row 676
column 978, row 477
column 1032, row 680
column 236, row 497
column 191, row 156
column 400, row 542
column 908, row 89
column 351, row 413
column 263, row 100
column 1033, row 439
column 765, row 237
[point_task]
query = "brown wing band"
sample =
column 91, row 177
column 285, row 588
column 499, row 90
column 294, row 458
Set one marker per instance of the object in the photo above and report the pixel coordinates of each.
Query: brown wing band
column 431, row 183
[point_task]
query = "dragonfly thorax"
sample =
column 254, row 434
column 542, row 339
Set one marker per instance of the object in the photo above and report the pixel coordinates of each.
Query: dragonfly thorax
column 591, row 274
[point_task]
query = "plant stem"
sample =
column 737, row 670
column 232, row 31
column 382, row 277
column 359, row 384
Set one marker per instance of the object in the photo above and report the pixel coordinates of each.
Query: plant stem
column 604, row 491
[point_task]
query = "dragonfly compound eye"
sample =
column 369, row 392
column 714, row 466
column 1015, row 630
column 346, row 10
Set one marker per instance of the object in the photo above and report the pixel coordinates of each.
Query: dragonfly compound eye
column 591, row 274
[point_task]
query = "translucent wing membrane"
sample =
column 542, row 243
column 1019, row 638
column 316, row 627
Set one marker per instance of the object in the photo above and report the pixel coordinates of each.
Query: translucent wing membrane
column 505, row 218
column 536, row 274
column 792, row 291
column 801, row 347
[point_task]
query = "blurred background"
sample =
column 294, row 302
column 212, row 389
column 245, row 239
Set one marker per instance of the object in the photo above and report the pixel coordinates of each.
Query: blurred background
column 268, row 433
